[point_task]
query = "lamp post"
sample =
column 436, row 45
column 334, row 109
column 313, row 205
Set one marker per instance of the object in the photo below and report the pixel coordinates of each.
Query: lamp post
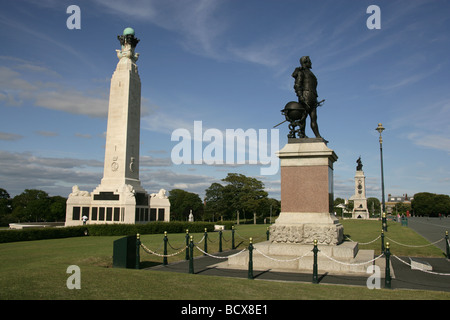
column 380, row 129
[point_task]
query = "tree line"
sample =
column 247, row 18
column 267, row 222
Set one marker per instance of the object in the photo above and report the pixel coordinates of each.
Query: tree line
column 430, row 204
column 423, row 204
column 32, row 205
column 236, row 195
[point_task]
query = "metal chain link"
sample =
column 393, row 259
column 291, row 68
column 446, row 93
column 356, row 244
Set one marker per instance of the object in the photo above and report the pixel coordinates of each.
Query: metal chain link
column 288, row 260
column 411, row 246
column 426, row 271
column 173, row 247
column 147, row 250
column 352, row 264
column 219, row 257
column 364, row 243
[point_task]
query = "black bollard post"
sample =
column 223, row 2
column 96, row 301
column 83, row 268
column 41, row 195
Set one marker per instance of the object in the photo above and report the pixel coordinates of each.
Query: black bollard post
column 384, row 222
column 206, row 242
column 165, row 249
column 267, row 234
column 220, row 240
column 138, row 247
column 191, row 256
column 382, row 240
column 447, row 245
column 387, row 277
column 187, row 244
column 315, row 278
column 250, row 260
column 232, row 238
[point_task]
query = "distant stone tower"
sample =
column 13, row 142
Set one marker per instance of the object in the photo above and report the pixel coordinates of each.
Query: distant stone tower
column 120, row 198
column 359, row 198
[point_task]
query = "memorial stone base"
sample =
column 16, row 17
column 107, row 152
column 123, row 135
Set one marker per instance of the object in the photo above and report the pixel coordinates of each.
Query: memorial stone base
column 306, row 206
column 344, row 258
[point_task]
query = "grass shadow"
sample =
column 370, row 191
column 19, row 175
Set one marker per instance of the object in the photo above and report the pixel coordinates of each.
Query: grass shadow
column 149, row 264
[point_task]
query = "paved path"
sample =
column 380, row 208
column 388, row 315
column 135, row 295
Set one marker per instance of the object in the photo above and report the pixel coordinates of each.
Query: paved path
column 405, row 278
column 432, row 229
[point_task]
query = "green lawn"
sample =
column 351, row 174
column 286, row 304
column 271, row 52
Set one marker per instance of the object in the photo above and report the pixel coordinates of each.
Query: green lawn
column 37, row 270
column 403, row 241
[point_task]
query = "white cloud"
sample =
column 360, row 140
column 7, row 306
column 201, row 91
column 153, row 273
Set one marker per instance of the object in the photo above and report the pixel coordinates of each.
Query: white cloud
column 5, row 136
column 52, row 174
column 51, row 94
column 72, row 101
column 431, row 141
column 138, row 9
column 153, row 180
column 427, row 126
column 47, row 133
column 83, row 135
column 148, row 161
column 194, row 20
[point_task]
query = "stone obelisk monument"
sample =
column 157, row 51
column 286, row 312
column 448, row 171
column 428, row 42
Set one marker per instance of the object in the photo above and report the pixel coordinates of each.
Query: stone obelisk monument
column 120, row 198
column 306, row 197
column 121, row 166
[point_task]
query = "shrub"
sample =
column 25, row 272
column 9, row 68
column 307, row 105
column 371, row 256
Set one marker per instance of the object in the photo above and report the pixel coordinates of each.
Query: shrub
column 107, row 230
column 40, row 234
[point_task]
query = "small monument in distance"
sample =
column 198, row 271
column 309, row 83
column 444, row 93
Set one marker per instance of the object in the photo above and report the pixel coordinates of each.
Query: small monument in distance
column 360, row 210
column 120, row 198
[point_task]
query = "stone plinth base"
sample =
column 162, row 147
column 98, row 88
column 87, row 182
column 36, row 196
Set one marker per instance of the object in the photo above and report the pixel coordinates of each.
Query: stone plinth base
column 121, row 205
column 304, row 228
column 299, row 258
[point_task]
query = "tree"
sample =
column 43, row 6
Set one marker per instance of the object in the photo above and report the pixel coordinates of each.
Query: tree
column 430, row 204
column 215, row 204
column 57, row 209
column 31, row 205
column 5, row 207
column 241, row 193
column 441, row 205
column 374, row 205
column 269, row 207
column 338, row 202
column 422, row 203
column 244, row 193
column 5, row 202
column 182, row 202
column 401, row 208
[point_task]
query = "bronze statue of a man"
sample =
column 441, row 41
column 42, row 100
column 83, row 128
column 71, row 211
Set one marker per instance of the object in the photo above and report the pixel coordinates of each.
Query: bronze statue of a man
column 305, row 87
column 360, row 165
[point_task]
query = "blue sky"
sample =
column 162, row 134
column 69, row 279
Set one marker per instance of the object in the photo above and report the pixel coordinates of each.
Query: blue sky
column 226, row 63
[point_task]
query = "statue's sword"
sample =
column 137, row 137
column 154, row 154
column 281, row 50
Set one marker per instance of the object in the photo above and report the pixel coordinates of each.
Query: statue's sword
column 280, row 123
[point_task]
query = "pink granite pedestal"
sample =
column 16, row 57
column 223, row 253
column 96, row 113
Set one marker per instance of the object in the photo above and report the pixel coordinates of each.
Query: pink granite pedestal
column 307, row 195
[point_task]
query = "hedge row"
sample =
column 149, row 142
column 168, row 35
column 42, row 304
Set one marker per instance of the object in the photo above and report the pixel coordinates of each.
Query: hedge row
column 107, row 230
column 151, row 228
column 31, row 234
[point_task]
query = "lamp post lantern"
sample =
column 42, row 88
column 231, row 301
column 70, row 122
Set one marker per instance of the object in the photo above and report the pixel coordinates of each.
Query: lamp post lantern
column 380, row 129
